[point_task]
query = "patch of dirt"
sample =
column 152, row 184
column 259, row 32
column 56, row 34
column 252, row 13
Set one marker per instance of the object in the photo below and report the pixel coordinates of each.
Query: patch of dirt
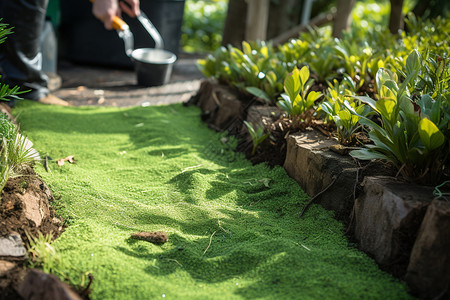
column 24, row 203
column 273, row 149
column 13, row 206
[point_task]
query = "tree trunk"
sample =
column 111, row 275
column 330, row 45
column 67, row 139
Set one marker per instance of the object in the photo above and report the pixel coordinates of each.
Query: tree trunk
column 283, row 15
column 234, row 30
column 396, row 17
column 343, row 17
column 257, row 20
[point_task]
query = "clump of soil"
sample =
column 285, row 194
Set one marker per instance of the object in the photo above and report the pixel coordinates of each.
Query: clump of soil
column 157, row 237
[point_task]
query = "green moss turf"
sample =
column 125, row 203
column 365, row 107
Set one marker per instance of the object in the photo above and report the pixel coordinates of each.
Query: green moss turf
column 230, row 236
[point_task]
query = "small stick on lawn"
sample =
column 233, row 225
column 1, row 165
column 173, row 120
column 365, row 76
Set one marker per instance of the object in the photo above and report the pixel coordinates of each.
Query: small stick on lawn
column 316, row 196
column 210, row 240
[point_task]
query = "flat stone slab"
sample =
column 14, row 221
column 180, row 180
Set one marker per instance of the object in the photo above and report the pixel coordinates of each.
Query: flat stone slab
column 310, row 162
column 40, row 285
column 262, row 116
column 428, row 272
column 12, row 245
column 388, row 215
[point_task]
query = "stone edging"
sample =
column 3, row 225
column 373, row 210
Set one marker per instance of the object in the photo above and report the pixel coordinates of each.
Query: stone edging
column 399, row 224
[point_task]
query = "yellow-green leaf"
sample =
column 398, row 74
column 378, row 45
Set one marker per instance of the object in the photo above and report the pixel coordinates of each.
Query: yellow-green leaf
column 292, row 84
column 386, row 108
column 304, row 75
column 264, row 51
column 246, row 48
column 345, row 115
column 430, row 135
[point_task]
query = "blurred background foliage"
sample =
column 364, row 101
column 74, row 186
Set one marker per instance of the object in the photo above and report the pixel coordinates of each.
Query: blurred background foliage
column 203, row 25
column 204, row 19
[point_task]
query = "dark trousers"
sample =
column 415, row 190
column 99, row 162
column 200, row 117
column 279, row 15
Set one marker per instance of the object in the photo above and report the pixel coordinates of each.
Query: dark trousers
column 20, row 54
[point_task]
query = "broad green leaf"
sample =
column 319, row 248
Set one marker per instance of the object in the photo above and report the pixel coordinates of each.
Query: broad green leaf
column 403, row 87
column 264, row 51
column 366, row 154
column 413, row 62
column 326, row 107
column 425, row 103
column 292, row 84
column 381, row 76
column 247, row 48
column 236, row 55
column 430, row 135
column 250, row 129
column 313, row 96
column 386, row 108
column 304, row 75
column 258, row 93
column 369, row 101
column 255, row 70
column 406, row 105
column 271, row 77
column 345, row 115
column 391, row 85
column 298, row 101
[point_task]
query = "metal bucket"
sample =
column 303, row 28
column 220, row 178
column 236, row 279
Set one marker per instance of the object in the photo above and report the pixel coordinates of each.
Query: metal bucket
column 153, row 66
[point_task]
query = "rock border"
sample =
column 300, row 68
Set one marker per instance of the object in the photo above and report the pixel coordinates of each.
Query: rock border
column 400, row 224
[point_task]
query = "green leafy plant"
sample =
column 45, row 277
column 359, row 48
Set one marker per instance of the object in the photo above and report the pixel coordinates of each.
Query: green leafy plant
column 258, row 135
column 296, row 100
column 42, row 254
column 347, row 124
column 15, row 149
column 408, row 139
column 354, row 58
column 202, row 26
column 256, row 69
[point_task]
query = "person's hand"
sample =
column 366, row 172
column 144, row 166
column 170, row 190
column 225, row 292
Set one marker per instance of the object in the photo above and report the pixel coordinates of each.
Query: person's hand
column 105, row 11
column 130, row 7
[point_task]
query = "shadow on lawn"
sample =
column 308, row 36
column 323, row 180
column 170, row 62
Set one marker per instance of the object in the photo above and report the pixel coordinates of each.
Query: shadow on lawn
column 240, row 244
column 253, row 241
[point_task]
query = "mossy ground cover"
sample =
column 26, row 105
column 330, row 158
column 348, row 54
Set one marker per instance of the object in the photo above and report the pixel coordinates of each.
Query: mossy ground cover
column 234, row 230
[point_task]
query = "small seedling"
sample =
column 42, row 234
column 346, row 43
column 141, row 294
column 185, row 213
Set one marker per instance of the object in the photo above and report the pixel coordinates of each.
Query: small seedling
column 258, row 135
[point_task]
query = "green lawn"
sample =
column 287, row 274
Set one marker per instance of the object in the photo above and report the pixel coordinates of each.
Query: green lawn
column 230, row 236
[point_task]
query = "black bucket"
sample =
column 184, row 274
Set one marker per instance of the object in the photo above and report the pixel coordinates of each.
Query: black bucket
column 153, row 66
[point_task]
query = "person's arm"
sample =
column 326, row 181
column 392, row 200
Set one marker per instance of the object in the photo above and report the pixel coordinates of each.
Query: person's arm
column 106, row 10
column 130, row 7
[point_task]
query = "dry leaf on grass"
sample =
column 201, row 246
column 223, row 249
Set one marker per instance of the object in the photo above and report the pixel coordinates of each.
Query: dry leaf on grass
column 70, row 159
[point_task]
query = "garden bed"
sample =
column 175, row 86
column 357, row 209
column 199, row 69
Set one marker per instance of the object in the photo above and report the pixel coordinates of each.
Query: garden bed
column 400, row 224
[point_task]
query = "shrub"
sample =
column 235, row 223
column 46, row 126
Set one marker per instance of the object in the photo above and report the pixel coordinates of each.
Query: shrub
column 409, row 135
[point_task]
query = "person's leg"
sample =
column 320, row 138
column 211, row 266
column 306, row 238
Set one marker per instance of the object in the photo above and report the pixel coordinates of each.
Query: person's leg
column 20, row 54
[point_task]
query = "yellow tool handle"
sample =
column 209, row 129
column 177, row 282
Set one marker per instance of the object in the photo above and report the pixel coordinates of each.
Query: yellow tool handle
column 117, row 23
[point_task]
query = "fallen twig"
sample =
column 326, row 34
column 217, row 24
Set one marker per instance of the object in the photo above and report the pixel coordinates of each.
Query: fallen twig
column 171, row 259
column 316, row 196
column 190, row 168
column 210, row 240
